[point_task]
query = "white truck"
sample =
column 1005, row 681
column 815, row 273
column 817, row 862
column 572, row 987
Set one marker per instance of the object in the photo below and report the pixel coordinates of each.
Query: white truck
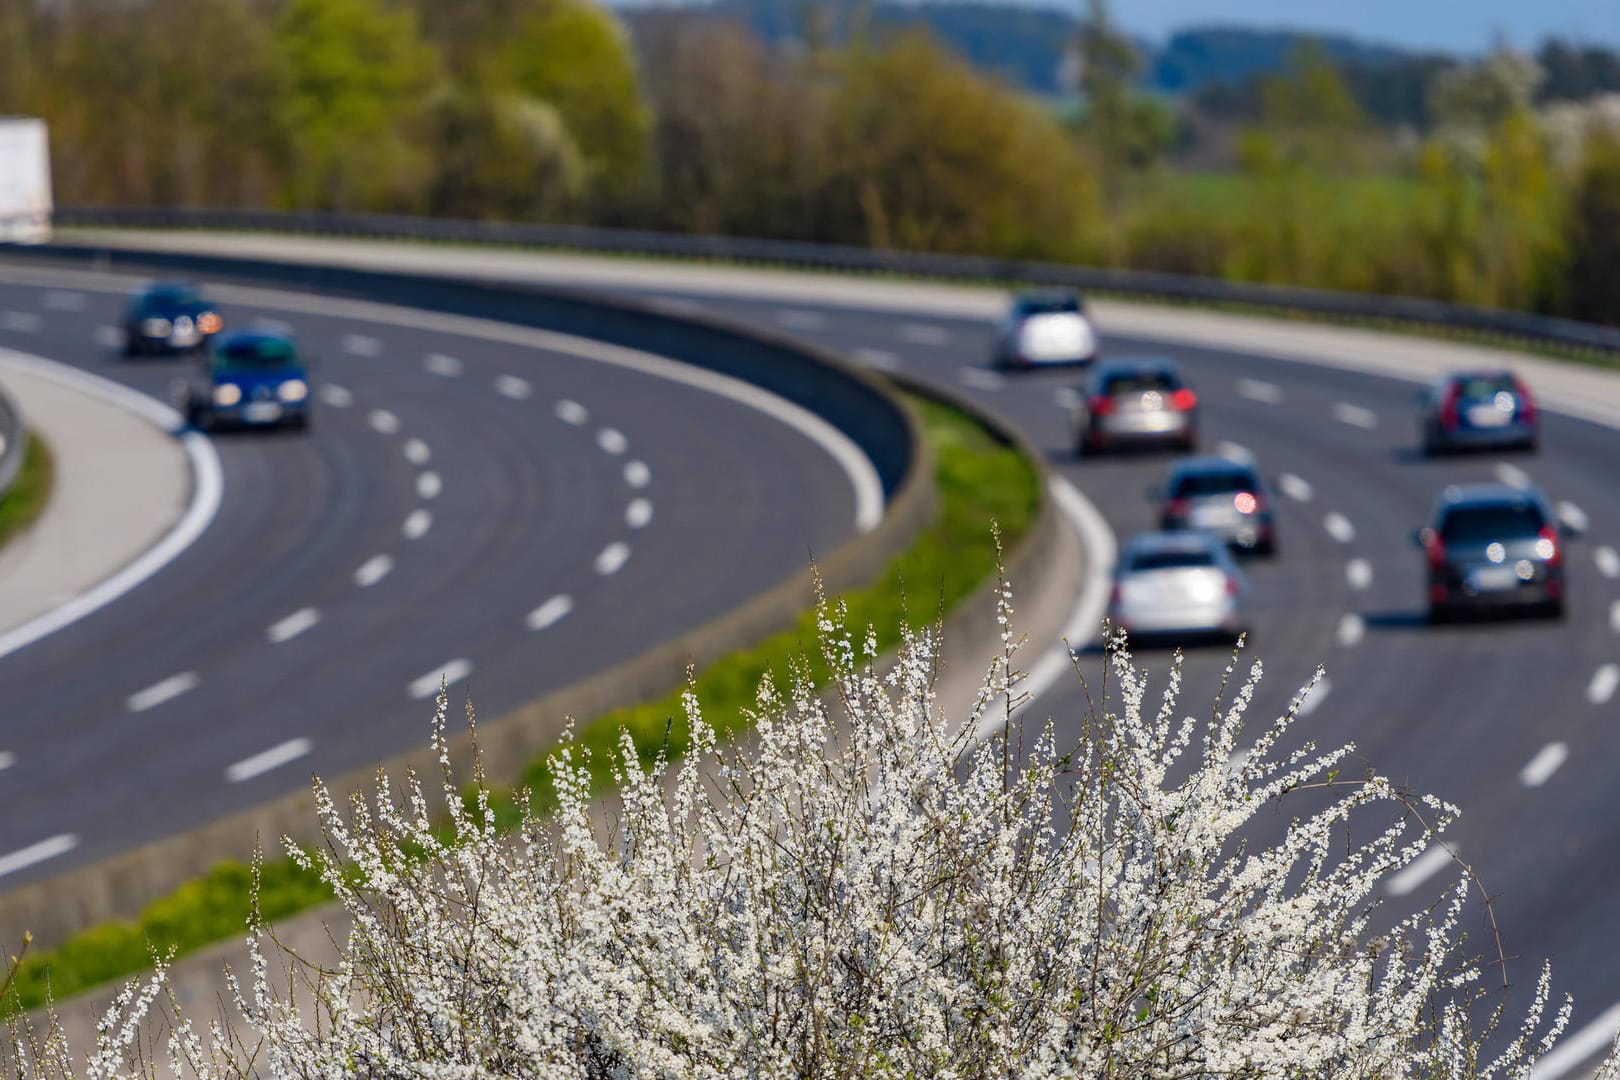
column 25, row 181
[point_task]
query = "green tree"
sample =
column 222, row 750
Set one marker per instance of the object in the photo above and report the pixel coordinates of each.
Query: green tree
column 1109, row 64
column 1594, row 234
column 501, row 157
column 1310, row 111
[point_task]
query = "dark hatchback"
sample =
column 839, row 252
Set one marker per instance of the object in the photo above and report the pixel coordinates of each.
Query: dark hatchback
column 1478, row 410
column 171, row 316
column 1491, row 547
column 250, row 379
column 1222, row 496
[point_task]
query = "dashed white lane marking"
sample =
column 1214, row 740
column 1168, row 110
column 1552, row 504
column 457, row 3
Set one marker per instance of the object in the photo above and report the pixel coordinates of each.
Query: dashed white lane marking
column 418, row 452
column 1576, row 1049
column 108, row 337
column 1319, row 694
column 280, row 327
column 796, row 319
column 373, row 570
column 1338, row 526
column 613, row 558
column 1511, row 475
column 159, row 693
column 1232, row 451
column 336, row 396
column 293, row 625
column 1355, row 415
column 361, row 345
column 428, row 485
column 1352, row 628
column 445, row 366
column 1573, row 516
column 1067, row 397
column 881, row 359
column 21, row 322
column 1539, row 769
column 62, row 300
column 34, row 854
column 1614, row 616
column 639, row 514
column 1605, row 681
column 637, row 474
column 513, row 387
column 266, row 760
column 1264, row 392
column 1296, row 488
column 417, row 524
column 447, row 674
column 572, row 412
column 385, row 422
column 1359, row 573
column 1608, row 561
column 977, row 378
column 550, row 613
column 7, row 760
column 924, row 334
column 612, row 441
column 1419, row 870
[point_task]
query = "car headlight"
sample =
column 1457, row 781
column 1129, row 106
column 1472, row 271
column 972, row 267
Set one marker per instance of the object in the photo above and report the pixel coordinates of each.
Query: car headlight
column 227, row 394
column 157, row 327
column 293, row 390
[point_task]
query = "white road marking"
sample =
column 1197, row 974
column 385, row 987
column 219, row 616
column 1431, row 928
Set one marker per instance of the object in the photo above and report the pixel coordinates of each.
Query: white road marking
column 612, row 441
column 1605, row 681
column 1573, row 1050
column 361, row 345
column 34, row 854
column 1539, row 769
column 159, row 693
column 1511, row 475
column 881, row 359
column 1264, row 392
column 1296, row 488
column 109, row 337
column 1608, row 561
column 1614, row 616
column 1232, row 451
column 373, row 570
column 1359, row 573
column 1319, row 694
column 513, row 387
column 1338, row 526
column 1419, row 870
column 572, row 412
column 418, row 452
column 445, row 366
column 21, row 322
column 613, row 558
column 385, row 422
column 796, row 319
column 448, row 675
column 292, row 625
column 1573, row 517
column 639, row 514
column 62, row 300
column 1352, row 628
column 1355, row 415
column 272, row 326
column 417, row 524
column 550, row 613
column 428, row 485
column 1067, row 397
column 924, row 334
column 977, row 378
column 637, row 474
column 336, row 396
column 266, row 760
column 7, row 760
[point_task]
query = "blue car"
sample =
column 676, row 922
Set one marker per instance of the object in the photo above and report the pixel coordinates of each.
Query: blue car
column 170, row 316
column 249, row 379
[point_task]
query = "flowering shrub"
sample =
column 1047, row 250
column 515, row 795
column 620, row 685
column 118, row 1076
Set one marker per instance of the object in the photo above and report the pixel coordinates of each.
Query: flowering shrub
column 863, row 888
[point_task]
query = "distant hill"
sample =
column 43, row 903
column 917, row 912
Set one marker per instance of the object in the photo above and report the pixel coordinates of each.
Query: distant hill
column 1197, row 58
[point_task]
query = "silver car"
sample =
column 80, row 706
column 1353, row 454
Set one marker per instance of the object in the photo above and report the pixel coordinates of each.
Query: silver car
column 1134, row 403
column 1478, row 410
column 1045, row 328
column 1179, row 586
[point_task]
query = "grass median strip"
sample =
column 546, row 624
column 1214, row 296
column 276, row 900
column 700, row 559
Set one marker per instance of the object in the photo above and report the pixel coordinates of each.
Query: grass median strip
column 25, row 500
column 978, row 479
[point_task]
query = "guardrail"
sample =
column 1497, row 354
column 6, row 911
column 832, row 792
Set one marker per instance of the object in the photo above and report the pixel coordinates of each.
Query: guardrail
column 1539, row 329
column 13, row 441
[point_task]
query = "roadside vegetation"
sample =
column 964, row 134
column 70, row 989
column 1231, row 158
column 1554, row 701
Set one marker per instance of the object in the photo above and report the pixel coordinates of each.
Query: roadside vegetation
column 30, row 490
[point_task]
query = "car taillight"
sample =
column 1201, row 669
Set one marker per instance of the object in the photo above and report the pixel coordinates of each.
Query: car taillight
column 1547, row 546
column 1527, row 403
column 1448, row 405
column 1101, row 405
column 1246, row 502
column 1183, row 400
column 1435, row 549
column 1115, row 597
column 1177, row 507
column 1233, row 586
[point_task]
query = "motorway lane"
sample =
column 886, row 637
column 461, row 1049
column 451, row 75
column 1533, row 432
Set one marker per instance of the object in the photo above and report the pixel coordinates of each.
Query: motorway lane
column 490, row 480
column 1457, row 710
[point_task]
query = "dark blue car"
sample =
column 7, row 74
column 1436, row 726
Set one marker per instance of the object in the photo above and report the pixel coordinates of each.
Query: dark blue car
column 170, row 316
column 249, row 379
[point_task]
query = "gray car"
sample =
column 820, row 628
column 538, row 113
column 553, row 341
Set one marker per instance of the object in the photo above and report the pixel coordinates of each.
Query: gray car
column 1135, row 403
column 1490, row 548
column 1179, row 586
column 1478, row 410
column 1222, row 496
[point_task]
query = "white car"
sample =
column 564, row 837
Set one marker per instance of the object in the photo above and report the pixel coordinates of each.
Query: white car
column 1179, row 586
column 1045, row 328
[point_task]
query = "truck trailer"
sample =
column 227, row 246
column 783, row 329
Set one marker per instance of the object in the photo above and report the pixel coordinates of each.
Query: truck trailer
column 25, row 181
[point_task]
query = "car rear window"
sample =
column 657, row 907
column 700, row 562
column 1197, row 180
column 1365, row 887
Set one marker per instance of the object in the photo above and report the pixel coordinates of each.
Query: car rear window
column 1137, row 382
column 256, row 353
column 1212, row 483
column 1049, row 305
column 1471, row 524
column 1485, row 386
column 1171, row 560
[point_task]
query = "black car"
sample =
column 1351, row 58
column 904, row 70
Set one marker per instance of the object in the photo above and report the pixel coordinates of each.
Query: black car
column 1491, row 547
column 1136, row 403
column 170, row 316
column 1219, row 495
column 1478, row 410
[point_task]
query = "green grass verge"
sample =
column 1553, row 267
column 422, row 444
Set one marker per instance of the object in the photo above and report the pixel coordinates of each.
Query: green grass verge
column 25, row 500
column 979, row 481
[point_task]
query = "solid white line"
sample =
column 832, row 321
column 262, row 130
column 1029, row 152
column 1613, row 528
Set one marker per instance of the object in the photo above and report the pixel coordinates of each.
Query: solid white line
column 336, row 396
column 1575, row 1049
column 613, row 558
column 1512, row 475
column 7, row 760
column 1608, row 561
column 1338, row 526
column 1574, row 517
column 572, row 412
column 37, row 853
column 881, row 359
column 513, row 387
column 924, row 334
column 418, row 452
column 550, row 613
column 62, row 300
column 978, row 378
column 612, row 441
column 373, row 570
column 1605, row 680
column 428, row 485
column 1540, row 768
column 1352, row 628
column 264, row 761
column 417, row 524
column 1232, row 451
column 207, row 490
column 1319, row 694
column 21, row 322
column 639, row 514
column 1295, row 488
column 637, row 474
column 444, row 366
column 1419, row 870
column 1359, row 573
column 361, row 345
column 1355, row 415
column 794, row 319
column 450, row 674
column 383, row 421
column 159, row 693
column 292, row 625
column 1264, row 392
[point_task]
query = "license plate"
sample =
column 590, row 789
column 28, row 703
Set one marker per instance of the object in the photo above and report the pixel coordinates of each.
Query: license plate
column 1209, row 517
column 1488, row 416
column 261, row 412
column 185, row 340
column 1493, row 579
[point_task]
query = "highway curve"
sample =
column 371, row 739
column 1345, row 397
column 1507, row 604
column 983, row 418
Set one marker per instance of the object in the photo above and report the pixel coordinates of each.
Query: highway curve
column 512, row 516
